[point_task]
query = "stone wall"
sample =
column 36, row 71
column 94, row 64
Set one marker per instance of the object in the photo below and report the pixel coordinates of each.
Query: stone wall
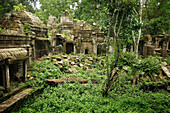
column 21, row 33
column 22, row 29
column 81, row 37
column 156, row 45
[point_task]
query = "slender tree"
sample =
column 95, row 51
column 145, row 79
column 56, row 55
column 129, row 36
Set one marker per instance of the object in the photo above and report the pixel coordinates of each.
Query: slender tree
column 136, row 40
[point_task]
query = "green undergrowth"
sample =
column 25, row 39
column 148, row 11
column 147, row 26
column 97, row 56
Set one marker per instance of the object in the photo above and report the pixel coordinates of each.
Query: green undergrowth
column 77, row 97
column 47, row 70
column 42, row 71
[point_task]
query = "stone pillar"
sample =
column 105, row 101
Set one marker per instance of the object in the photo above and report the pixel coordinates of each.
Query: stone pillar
column 149, row 40
column 145, row 50
column 164, row 48
column 131, row 48
column 94, row 49
column 25, row 70
column 74, row 48
column 147, row 45
column 6, row 77
column 33, row 48
column 156, row 42
column 53, row 44
column 29, row 50
column 64, row 47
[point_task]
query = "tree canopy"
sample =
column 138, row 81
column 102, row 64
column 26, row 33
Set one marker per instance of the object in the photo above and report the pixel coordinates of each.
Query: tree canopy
column 6, row 6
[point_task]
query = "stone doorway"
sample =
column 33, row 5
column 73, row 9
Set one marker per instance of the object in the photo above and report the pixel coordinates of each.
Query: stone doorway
column 16, row 73
column 86, row 51
column 69, row 48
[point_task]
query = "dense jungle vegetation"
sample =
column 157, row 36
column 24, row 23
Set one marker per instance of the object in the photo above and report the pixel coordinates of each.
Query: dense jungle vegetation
column 124, row 22
column 76, row 97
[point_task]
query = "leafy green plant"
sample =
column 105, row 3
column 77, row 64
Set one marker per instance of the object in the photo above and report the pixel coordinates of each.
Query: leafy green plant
column 150, row 65
column 59, row 30
column 19, row 7
column 27, row 28
column 77, row 97
column 2, row 29
column 42, row 71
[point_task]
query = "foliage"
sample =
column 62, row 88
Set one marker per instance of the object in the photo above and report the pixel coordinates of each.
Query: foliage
column 76, row 97
column 19, row 7
column 42, row 71
column 156, row 17
column 49, row 33
column 2, row 29
column 7, row 6
column 27, row 28
column 149, row 65
column 168, row 59
column 52, row 7
column 128, row 58
column 59, row 30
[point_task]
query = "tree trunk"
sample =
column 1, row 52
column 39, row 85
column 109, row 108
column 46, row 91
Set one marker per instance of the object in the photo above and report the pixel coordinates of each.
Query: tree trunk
column 136, row 41
column 113, row 72
column 107, row 48
column 139, row 31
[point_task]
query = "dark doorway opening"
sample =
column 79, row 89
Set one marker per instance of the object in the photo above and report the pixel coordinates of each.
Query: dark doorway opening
column 1, row 76
column 161, row 44
column 16, row 73
column 86, row 51
column 69, row 48
column 101, row 49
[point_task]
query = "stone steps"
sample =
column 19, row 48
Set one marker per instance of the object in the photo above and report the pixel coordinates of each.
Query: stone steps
column 12, row 92
column 14, row 101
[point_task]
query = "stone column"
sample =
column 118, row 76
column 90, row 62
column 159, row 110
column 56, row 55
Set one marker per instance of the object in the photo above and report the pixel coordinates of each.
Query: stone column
column 156, row 43
column 145, row 50
column 94, row 50
column 33, row 48
column 146, row 45
column 29, row 51
column 6, row 77
column 25, row 70
column 164, row 48
column 64, row 47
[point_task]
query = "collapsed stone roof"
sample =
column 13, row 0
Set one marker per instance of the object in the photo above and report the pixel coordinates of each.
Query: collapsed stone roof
column 12, row 53
column 28, row 17
column 16, row 20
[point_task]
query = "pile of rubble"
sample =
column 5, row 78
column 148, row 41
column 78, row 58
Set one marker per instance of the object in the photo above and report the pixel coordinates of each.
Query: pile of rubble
column 69, row 63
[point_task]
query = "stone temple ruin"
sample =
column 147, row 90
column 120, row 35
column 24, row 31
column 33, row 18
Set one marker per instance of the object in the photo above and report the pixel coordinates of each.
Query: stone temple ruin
column 24, row 38
column 156, row 45
column 75, row 37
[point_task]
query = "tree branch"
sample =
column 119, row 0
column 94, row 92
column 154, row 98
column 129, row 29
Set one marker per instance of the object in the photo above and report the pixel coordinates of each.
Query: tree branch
column 116, row 24
column 135, row 11
column 120, row 22
column 107, row 48
column 157, row 9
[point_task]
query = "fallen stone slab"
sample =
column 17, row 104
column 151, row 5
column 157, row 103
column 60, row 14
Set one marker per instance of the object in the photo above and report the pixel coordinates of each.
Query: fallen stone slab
column 90, row 70
column 62, row 80
column 72, row 70
column 166, row 71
